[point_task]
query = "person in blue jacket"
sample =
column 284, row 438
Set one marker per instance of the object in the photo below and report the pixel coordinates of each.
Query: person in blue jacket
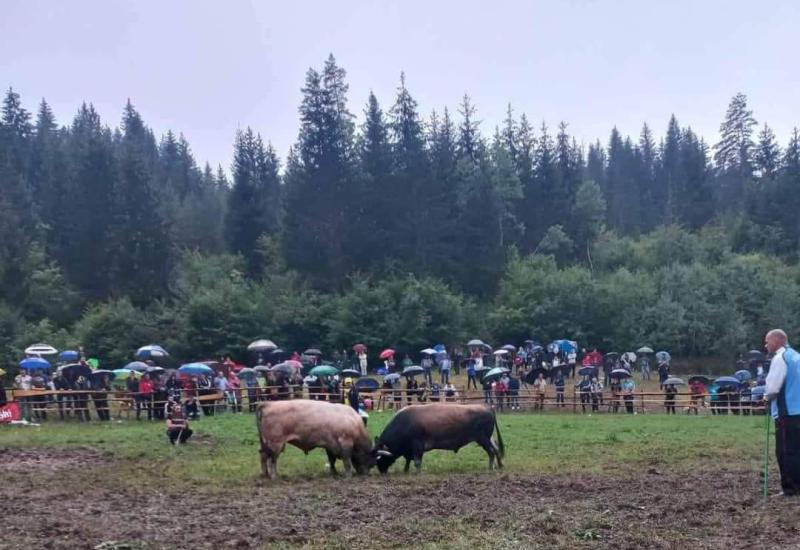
column 783, row 393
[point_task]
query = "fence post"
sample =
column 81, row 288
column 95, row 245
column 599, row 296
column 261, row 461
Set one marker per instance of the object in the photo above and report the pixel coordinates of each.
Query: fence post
column 574, row 403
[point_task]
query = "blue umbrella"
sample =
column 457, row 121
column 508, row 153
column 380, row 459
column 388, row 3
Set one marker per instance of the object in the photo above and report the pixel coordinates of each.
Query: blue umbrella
column 565, row 346
column 758, row 393
column 69, row 355
column 743, row 375
column 153, row 351
column 727, row 381
column 662, row 357
column 440, row 348
column 138, row 366
column 34, row 363
column 367, row 384
column 196, row 369
column 392, row 377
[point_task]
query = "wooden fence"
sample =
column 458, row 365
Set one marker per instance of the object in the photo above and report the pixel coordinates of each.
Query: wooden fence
column 50, row 405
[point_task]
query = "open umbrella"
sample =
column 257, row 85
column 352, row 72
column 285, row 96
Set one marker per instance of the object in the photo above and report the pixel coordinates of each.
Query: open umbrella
column 138, row 366
column 705, row 380
column 313, row 351
column 565, row 346
column 34, row 363
column 413, row 370
column 351, row 373
column 124, row 374
column 588, row 371
column 645, row 350
column 674, row 381
column 531, row 377
column 727, row 381
column 620, row 373
column 75, row 371
column 611, row 355
column 509, row 348
column 494, row 374
column 69, row 355
column 40, row 349
column 247, row 373
column 285, row 368
column 262, row 345
column 440, row 348
column 536, row 348
column 323, row 370
column 474, row 343
column 663, row 357
column 629, row 356
column 743, row 375
column 279, row 355
column 392, row 377
column 754, row 354
column 486, row 348
column 261, row 368
column 293, row 363
column 358, row 348
column 757, row 393
column 152, row 351
column 101, row 372
column 196, row 369
column 429, row 351
column 154, row 371
column 501, row 351
column 388, row 352
column 367, row 384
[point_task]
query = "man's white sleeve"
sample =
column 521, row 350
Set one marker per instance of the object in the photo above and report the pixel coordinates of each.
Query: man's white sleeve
column 776, row 376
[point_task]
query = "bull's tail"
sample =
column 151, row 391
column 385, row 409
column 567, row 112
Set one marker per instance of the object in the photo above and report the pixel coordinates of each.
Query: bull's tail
column 502, row 449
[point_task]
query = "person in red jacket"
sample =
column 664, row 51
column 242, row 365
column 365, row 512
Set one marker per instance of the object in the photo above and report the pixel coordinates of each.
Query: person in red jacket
column 145, row 398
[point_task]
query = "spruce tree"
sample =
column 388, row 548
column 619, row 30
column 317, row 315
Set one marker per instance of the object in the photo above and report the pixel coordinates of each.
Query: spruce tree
column 767, row 155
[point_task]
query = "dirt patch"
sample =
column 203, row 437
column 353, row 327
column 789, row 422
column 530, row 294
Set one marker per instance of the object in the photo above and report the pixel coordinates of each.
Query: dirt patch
column 46, row 459
column 655, row 509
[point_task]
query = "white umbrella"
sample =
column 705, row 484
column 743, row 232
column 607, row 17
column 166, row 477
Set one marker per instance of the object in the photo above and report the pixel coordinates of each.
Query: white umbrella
column 262, row 345
column 429, row 351
column 501, row 352
column 40, row 349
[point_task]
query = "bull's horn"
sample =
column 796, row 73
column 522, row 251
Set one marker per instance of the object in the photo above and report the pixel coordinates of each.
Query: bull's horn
column 384, row 453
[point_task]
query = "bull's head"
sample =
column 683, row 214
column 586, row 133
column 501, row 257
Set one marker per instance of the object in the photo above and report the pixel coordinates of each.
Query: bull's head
column 383, row 456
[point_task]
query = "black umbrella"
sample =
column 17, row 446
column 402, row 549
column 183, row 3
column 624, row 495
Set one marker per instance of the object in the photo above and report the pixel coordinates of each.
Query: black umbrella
column 509, row 347
column 312, row 351
column 101, row 372
column 75, row 371
column 279, row 355
column 700, row 378
column 754, row 354
column 413, row 370
column 351, row 373
column 587, row 371
column 531, row 377
column 611, row 355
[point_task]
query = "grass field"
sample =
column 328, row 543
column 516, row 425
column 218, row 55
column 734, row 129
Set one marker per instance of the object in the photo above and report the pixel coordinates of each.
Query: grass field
column 569, row 481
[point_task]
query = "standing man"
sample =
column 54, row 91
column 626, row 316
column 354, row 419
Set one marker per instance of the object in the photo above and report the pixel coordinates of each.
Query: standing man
column 362, row 362
column 427, row 366
column 445, row 369
column 783, row 392
column 572, row 360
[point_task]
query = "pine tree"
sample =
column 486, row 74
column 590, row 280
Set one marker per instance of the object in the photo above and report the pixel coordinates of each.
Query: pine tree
column 669, row 172
column 321, row 183
column 767, row 156
column 653, row 200
column 695, row 198
column 373, row 224
column 545, row 175
column 525, row 166
column 254, row 201
column 141, row 255
column 411, row 172
column 734, row 153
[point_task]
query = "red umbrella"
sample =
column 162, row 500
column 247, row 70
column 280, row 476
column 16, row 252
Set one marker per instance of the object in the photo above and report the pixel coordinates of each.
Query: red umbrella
column 358, row 348
column 293, row 363
column 385, row 354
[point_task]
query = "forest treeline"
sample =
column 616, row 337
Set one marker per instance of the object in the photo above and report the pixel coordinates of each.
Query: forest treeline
column 400, row 229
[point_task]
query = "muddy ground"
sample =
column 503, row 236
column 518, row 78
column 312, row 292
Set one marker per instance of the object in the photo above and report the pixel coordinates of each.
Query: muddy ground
column 70, row 498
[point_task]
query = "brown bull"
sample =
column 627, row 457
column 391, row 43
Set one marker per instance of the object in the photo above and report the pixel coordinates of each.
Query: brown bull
column 308, row 425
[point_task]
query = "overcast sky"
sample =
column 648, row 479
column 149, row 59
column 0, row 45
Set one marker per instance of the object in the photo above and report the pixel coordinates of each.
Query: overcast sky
column 206, row 68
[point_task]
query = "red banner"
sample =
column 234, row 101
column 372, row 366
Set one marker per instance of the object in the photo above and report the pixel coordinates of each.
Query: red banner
column 10, row 413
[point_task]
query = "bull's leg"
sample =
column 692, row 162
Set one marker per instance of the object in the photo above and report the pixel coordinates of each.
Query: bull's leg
column 497, row 454
column 332, row 462
column 488, row 446
column 418, row 462
column 348, row 465
column 408, row 464
column 264, row 462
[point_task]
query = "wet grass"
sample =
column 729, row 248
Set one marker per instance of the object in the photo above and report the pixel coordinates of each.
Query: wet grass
column 224, row 449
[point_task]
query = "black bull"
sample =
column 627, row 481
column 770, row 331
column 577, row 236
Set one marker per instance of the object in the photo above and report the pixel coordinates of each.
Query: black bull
column 421, row 428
